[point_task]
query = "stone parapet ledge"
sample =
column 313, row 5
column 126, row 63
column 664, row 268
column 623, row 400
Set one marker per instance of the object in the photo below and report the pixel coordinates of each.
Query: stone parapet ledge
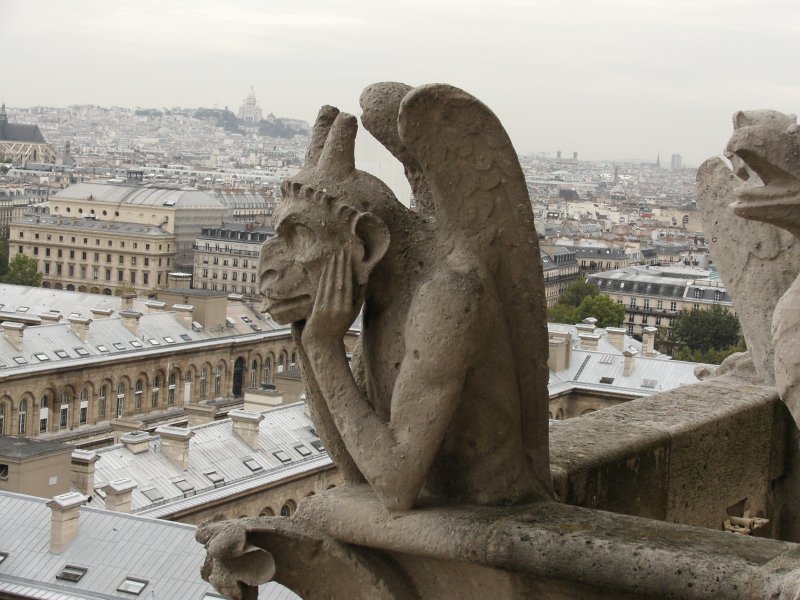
column 683, row 456
column 571, row 551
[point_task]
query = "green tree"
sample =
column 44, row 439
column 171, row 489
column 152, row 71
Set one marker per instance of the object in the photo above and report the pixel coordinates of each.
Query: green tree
column 3, row 257
column 125, row 288
column 22, row 271
column 574, row 294
column 561, row 313
column 607, row 312
column 705, row 329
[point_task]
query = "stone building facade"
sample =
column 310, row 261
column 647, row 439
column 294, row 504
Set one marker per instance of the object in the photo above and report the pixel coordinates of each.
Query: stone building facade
column 226, row 257
column 96, row 256
column 654, row 296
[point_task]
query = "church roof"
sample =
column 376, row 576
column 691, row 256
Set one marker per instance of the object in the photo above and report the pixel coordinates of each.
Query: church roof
column 12, row 132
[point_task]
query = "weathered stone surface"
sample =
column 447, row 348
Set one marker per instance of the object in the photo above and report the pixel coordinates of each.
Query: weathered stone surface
column 766, row 144
column 449, row 396
column 757, row 262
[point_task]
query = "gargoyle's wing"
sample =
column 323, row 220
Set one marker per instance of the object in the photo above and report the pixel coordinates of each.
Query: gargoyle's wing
column 481, row 200
column 380, row 103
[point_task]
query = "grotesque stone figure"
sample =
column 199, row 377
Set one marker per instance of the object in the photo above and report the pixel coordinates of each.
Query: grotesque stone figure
column 766, row 144
column 447, row 395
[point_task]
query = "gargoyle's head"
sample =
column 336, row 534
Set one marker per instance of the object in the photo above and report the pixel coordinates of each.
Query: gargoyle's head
column 328, row 206
column 767, row 143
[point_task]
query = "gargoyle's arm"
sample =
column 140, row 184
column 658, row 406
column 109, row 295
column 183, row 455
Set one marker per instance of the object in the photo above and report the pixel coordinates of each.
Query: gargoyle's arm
column 440, row 344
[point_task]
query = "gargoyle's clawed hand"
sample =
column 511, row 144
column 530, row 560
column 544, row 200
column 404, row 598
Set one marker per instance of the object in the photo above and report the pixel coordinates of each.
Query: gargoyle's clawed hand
column 231, row 562
column 333, row 311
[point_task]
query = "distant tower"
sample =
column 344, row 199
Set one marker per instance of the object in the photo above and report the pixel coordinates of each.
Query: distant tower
column 658, row 160
column 676, row 162
column 250, row 111
column 3, row 115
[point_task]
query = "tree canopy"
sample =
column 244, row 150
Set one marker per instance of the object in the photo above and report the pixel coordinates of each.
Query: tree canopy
column 576, row 292
column 22, row 271
column 702, row 335
column 607, row 312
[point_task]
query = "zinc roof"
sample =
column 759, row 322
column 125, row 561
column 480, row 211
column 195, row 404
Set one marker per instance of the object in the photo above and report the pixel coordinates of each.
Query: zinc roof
column 214, row 447
column 139, row 195
column 111, row 546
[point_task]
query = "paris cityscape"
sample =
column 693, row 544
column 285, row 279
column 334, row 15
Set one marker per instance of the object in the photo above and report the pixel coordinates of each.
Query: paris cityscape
column 155, row 403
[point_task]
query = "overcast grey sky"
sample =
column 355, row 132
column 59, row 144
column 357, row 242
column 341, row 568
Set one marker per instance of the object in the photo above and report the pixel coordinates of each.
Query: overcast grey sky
column 608, row 79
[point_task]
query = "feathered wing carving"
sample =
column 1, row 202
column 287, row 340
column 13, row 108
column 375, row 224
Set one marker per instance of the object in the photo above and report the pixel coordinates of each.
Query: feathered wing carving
column 481, row 199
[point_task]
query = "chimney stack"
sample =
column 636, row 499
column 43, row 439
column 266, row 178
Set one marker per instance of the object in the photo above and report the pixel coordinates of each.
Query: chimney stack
column 589, row 341
column 13, row 333
column 118, row 495
column 50, row 317
column 557, row 359
column 629, row 362
column 649, row 341
column 154, row 306
column 130, row 319
column 185, row 314
column 82, row 469
column 175, row 444
column 127, row 301
column 246, row 426
column 136, row 441
column 101, row 312
column 80, row 326
column 178, row 281
column 65, row 513
column 616, row 337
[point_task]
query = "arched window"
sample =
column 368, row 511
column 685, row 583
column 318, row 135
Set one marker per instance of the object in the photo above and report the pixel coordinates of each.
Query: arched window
column 254, row 374
column 120, row 399
column 288, row 508
column 23, row 417
column 154, row 392
column 63, row 420
column 84, row 407
column 43, row 404
column 101, row 402
column 293, row 362
column 2, row 418
column 137, row 395
column 171, row 390
column 203, row 383
column 217, row 381
column 267, row 369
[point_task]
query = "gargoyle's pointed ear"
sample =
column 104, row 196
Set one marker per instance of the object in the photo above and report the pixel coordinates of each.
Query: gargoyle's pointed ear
column 322, row 126
column 338, row 154
column 374, row 238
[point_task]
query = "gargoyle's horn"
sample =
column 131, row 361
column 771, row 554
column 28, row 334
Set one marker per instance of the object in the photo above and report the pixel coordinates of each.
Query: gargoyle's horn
column 338, row 155
column 322, row 126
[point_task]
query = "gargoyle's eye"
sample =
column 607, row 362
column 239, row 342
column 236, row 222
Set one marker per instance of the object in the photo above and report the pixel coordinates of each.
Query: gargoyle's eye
column 296, row 234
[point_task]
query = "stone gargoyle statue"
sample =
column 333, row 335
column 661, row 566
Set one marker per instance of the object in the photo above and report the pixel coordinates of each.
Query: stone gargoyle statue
column 764, row 186
column 446, row 401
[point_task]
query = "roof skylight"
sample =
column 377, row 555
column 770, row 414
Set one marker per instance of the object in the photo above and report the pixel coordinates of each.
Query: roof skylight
column 132, row 585
column 251, row 464
column 71, row 573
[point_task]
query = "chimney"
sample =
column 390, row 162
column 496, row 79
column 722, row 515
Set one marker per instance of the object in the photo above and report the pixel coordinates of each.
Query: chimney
column 590, row 321
column 629, row 362
column 566, row 349
column 245, row 425
column 52, row 316
column 136, row 441
column 118, row 495
column 154, row 306
column 185, row 314
column 127, row 301
column 175, row 444
column 178, row 281
column 130, row 319
column 13, row 333
column 649, row 340
column 82, row 469
column 585, row 327
column 101, row 312
column 558, row 358
column 616, row 337
column 80, row 326
column 589, row 341
column 65, row 513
